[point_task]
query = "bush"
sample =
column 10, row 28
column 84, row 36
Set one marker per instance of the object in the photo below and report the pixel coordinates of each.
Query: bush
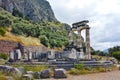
column 44, row 40
column 116, row 55
column 78, row 72
column 3, row 56
column 2, row 31
column 79, row 66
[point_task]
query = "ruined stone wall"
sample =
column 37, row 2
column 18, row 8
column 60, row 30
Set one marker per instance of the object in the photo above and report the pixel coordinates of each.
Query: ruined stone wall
column 33, row 49
column 7, row 46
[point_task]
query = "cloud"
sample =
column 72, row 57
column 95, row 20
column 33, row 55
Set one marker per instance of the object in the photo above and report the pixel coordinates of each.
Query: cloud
column 103, row 16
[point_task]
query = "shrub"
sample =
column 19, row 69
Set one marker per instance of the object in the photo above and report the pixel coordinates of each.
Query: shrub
column 44, row 40
column 78, row 72
column 2, row 31
column 79, row 66
column 74, row 71
column 116, row 55
column 3, row 56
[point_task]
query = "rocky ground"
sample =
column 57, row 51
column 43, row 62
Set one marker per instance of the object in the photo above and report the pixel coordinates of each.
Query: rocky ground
column 113, row 75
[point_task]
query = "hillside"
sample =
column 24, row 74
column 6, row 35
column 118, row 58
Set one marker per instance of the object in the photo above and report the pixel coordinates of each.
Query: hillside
column 51, row 34
column 35, row 10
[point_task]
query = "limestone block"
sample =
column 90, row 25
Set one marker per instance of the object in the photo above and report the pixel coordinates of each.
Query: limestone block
column 59, row 73
column 27, row 77
column 45, row 74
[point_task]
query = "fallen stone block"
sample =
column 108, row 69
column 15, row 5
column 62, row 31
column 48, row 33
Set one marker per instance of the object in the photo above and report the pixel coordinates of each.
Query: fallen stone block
column 59, row 73
column 45, row 74
column 27, row 77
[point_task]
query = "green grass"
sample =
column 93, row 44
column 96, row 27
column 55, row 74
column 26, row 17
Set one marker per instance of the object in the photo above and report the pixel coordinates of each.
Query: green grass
column 78, row 72
column 34, row 68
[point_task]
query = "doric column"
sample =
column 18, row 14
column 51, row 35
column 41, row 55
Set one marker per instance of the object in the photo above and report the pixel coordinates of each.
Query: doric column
column 79, row 39
column 70, row 37
column 88, row 54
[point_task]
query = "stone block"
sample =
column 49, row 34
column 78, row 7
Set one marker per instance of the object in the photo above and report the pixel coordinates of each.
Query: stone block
column 59, row 73
column 45, row 74
column 22, row 70
column 27, row 77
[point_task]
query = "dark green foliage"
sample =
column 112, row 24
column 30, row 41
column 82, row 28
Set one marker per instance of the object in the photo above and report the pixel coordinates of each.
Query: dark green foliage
column 116, row 55
column 2, row 31
column 5, row 21
column 114, row 49
column 44, row 40
column 17, row 13
column 79, row 66
column 98, row 52
column 3, row 56
column 55, row 33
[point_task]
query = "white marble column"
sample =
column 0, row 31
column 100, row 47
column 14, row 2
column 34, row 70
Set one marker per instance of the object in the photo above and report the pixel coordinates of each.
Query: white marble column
column 88, row 54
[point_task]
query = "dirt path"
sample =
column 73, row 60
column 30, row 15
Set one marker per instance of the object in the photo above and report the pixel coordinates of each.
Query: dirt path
column 114, row 75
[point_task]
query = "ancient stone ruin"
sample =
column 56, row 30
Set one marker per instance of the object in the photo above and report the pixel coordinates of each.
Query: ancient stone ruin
column 78, row 49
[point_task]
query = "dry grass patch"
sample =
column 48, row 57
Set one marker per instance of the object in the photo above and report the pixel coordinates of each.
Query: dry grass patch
column 26, row 41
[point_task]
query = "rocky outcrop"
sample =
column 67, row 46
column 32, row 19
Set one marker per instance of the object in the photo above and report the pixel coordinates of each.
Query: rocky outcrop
column 10, row 70
column 35, row 10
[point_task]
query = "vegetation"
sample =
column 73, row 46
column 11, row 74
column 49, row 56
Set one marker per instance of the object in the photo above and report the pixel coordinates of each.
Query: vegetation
column 34, row 68
column 4, row 75
column 79, row 66
column 116, row 55
column 81, row 69
column 50, row 34
column 2, row 31
column 78, row 72
column 97, row 52
column 114, row 49
column 75, row 71
column 3, row 56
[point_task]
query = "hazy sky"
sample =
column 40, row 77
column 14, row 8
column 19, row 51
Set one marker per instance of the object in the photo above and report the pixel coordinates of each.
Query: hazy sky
column 104, row 17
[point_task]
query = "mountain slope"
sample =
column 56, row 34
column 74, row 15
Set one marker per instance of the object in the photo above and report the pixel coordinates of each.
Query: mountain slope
column 35, row 10
column 50, row 34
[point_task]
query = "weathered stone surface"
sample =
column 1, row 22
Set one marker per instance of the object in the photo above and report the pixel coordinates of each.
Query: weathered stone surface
column 22, row 70
column 37, row 75
column 32, row 9
column 30, row 72
column 7, row 46
column 59, row 73
column 10, row 70
column 27, row 77
column 45, row 74
column 10, row 46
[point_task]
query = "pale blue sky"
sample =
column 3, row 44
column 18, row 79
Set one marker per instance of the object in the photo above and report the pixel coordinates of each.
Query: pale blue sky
column 104, row 17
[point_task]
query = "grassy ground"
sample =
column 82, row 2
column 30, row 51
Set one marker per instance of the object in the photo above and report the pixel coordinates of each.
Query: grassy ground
column 34, row 68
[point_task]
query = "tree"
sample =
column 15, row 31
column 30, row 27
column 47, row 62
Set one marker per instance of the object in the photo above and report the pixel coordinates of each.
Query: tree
column 2, row 31
column 17, row 13
column 44, row 40
column 3, row 56
column 116, row 55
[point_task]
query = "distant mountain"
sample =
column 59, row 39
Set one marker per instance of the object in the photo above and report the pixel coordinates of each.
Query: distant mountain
column 35, row 10
column 106, row 51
